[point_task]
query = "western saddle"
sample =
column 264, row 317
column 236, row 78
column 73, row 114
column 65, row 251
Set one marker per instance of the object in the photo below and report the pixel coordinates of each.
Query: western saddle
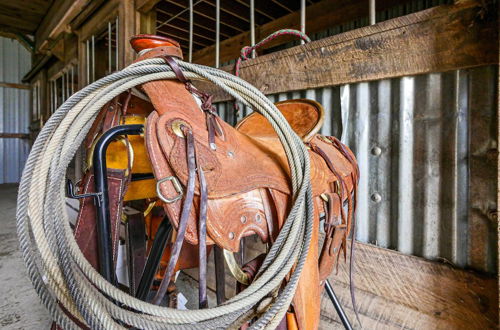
column 214, row 183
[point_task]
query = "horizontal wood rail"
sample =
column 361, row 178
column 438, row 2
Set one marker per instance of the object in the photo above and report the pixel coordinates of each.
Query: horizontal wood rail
column 443, row 38
column 14, row 85
column 395, row 291
column 14, row 136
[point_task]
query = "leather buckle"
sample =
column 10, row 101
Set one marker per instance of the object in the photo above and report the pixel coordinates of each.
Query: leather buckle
column 177, row 187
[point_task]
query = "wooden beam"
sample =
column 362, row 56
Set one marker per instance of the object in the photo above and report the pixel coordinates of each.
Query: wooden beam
column 395, row 291
column 57, row 20
column 17, row 24
column 13, row 85
column 85, row 13
column 320, row 17
column 147, row 22
column 443, row 38
column 145, row 6
column 14, row 136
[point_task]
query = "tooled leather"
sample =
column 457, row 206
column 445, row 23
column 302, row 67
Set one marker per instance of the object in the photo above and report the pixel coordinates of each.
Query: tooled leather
column 235, row 156
column 231, row 208
column 161, row 169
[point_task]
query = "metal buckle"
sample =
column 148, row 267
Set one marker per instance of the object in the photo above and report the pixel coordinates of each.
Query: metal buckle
column 235, row 270
column 177, row 187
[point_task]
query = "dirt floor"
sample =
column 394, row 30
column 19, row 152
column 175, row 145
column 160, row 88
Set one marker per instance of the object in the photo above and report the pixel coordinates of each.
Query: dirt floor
column 20, row 307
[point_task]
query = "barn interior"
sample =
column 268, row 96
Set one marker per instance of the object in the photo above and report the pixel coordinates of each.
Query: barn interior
column 411, row 86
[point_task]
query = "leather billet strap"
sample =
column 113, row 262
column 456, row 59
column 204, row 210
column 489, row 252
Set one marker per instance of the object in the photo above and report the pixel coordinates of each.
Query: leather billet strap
column 181, row 230
column 202, row 237
column 335, row 231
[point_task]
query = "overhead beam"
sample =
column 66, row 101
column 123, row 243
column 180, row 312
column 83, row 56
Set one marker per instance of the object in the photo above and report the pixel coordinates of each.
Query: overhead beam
column 60, row 14
column 145, row 6
column 443, row 38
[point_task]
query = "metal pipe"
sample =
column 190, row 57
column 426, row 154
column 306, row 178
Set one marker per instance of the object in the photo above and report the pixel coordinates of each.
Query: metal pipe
column 93, row 58
column 104, row 246
column 337, row 305
column 217, row 33
column 72, row 79
column 190, row 31
column 302, row 18
column 109, row 48
column 87, row 62
column 159, row 243
column 63, row 88
column 371, row 12
column 252, row 25
column 117, row 67
column 55, row 95
column 176, row 15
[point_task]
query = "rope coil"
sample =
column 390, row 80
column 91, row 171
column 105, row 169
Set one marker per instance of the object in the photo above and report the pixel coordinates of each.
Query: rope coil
column 64, row 279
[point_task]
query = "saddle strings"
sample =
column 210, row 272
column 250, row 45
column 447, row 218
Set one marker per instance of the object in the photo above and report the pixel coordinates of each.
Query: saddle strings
column 65, row 280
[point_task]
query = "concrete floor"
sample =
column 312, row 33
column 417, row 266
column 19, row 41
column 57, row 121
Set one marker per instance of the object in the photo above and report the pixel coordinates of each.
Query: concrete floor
column 20, row 307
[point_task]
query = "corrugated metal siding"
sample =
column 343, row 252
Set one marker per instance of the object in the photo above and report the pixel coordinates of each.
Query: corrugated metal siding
column 15, row 62
column 426, row 147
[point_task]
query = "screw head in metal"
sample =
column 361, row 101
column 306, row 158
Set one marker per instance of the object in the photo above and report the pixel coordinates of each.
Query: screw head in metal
column 230, row 154
column 257, row 217
column 243, row 219
column 376, row 151
column 376, row 197
column 231, row 235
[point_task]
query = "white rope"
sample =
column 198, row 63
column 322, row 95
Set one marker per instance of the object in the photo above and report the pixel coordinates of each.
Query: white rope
column 61, row 274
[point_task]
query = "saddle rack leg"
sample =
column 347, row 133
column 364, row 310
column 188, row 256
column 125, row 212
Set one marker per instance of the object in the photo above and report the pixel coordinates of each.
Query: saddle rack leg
column 220, row 281
column 101, row 188
column 154, row 258
column 338, row 307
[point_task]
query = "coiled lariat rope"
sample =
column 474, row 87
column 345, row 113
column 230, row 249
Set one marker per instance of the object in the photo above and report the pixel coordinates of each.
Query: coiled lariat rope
column 64, row 279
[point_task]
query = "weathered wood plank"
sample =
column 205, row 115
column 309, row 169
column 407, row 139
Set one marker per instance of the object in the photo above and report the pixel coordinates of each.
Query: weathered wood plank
column 145, row 6
column 16, row 24
column 395, row 291
column 13, row 85
column 439, row 39
column 14, row 136
column 60, row 14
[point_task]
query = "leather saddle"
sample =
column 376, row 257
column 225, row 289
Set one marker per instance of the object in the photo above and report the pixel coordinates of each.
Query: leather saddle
column 217, row 183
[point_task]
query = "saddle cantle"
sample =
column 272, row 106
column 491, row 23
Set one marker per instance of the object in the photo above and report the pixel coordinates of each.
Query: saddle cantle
column 218, row 183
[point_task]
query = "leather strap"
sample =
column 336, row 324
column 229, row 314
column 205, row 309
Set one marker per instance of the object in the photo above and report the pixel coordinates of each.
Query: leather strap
column 351, row 222
column 213, row 127
column 175, row 67
column 186, row 209
column 202, row 238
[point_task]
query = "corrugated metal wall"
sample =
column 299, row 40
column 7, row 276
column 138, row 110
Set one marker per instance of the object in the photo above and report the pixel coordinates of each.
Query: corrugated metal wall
column 426, row 147
column 15, row 62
